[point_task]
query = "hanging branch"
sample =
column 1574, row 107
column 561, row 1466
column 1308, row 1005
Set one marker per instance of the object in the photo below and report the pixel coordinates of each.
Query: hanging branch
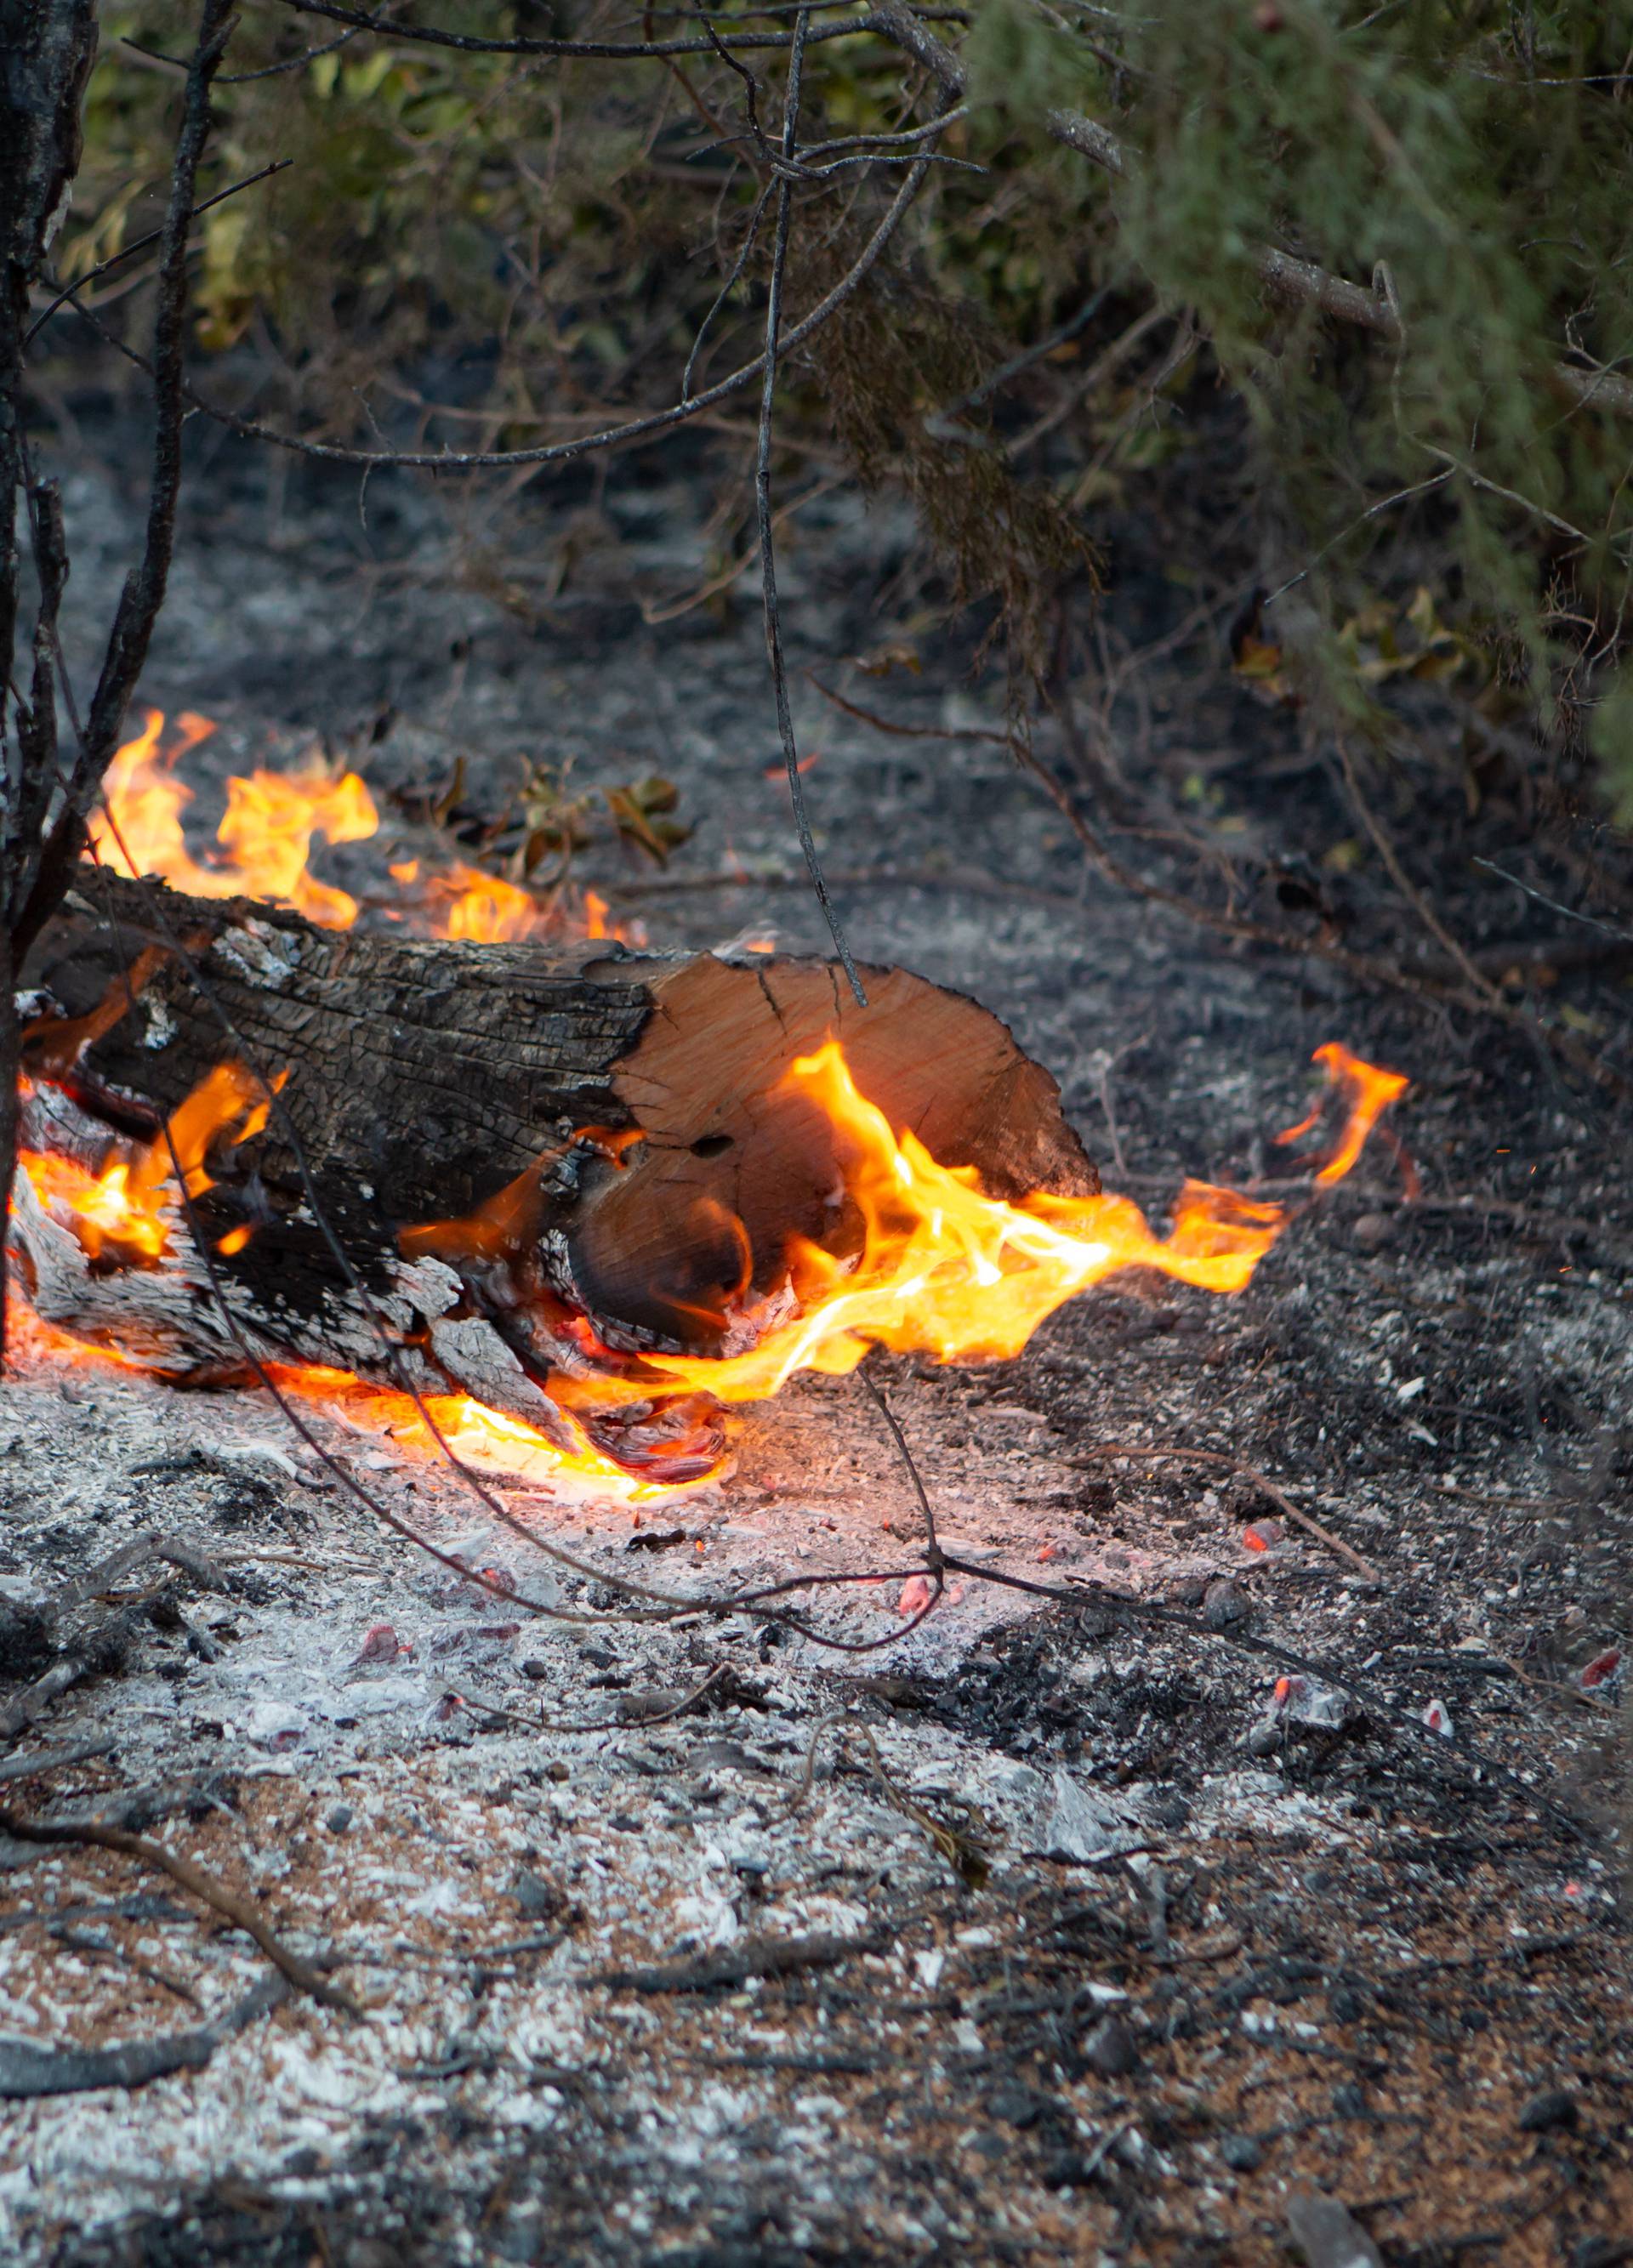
column 763, row 506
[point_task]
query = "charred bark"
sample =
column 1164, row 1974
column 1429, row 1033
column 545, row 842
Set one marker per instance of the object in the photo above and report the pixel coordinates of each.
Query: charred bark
column 510, row 1144
column 46, row 48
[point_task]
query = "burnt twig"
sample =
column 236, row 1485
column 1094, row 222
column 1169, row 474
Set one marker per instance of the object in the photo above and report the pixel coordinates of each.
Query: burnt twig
column 27, row 2070
column 735, row 1964
column 46, row 1760
column 205, row 1887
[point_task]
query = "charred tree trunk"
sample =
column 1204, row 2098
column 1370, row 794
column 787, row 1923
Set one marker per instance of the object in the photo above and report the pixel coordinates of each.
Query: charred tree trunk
column 523, row 1154
column 46, row 48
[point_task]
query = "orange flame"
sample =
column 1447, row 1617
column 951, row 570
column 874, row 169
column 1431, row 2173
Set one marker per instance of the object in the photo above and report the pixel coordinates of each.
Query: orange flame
column 1370, row 1091
column 488, row 910
column 266, row 832
column 945, row 1270
column 942, row 1269
column 266, row 837
column 125, row 1209
column 491, row 1442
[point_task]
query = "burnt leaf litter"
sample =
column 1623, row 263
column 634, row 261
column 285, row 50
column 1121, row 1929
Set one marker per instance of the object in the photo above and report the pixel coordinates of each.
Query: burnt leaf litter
column 1260, row 1966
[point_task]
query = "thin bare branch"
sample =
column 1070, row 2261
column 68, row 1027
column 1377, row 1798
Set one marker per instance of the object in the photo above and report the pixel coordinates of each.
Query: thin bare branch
column 593, row 50
column 763, row 506
column 140, row 244
column 45, row 870
column 611, row 436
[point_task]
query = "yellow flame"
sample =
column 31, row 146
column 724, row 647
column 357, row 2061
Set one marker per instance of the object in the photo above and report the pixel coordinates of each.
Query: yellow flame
column 488, row 1441
column 266, row 836
column 266, row 832
column 125, row 1208
column 489, row 911
column 1371, row 1090
column 946, row 1270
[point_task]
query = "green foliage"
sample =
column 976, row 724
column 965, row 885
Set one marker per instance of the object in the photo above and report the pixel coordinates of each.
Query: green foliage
column 547, row 237
column 1469, row 162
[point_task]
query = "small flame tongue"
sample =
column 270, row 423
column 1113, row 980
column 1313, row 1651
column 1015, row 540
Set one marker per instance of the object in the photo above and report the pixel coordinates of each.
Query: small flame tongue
column 1370, row 1091
column 124, row 1209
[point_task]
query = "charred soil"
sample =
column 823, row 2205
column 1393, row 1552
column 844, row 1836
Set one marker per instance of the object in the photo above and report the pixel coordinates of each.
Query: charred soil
column 1089, row 1922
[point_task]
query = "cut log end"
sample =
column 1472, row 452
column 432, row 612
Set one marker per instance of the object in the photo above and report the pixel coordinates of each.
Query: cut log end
column 517, row 1148
column 738, row 1159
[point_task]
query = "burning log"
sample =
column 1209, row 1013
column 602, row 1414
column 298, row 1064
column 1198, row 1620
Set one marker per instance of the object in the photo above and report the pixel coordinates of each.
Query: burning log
column 541, row 1165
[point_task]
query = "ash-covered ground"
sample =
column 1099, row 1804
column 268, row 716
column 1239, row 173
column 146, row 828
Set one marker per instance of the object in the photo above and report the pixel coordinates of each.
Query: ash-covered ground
column 1052, row 1933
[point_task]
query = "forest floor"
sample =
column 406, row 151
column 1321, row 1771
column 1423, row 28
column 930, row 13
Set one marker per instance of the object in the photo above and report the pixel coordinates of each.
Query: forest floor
column 1055, row 1933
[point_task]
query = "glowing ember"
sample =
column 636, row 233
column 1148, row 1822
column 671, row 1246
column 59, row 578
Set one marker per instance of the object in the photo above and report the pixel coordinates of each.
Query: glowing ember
column 941, row 1269
column 127, row 1207
column 266, row 834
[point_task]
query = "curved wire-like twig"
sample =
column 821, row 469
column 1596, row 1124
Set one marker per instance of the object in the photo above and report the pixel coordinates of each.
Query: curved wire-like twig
column 610, row 436
column 750, row 236
column 593, row 50
column 140, row 244
column 932, row 1543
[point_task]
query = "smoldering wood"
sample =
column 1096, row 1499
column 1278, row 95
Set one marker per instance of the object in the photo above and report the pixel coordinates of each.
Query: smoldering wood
column 509, row 1141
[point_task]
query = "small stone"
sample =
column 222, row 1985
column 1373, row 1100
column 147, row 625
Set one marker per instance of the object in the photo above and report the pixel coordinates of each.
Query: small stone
column 556, row 1771
column 1080, row 1825
column 1225, row 1603
column 535, row 1669
column 1373, row 1230
column 1327, row 2233
column 1349, row 2102
column 1345, row 2005
column 339, row 1819
column 1241, row 2153
column 381, row 1642
column 1554, row 2112
column 1014, row 2106
column 271, row 1725
column 1111, row 2050
column 538, row 1898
